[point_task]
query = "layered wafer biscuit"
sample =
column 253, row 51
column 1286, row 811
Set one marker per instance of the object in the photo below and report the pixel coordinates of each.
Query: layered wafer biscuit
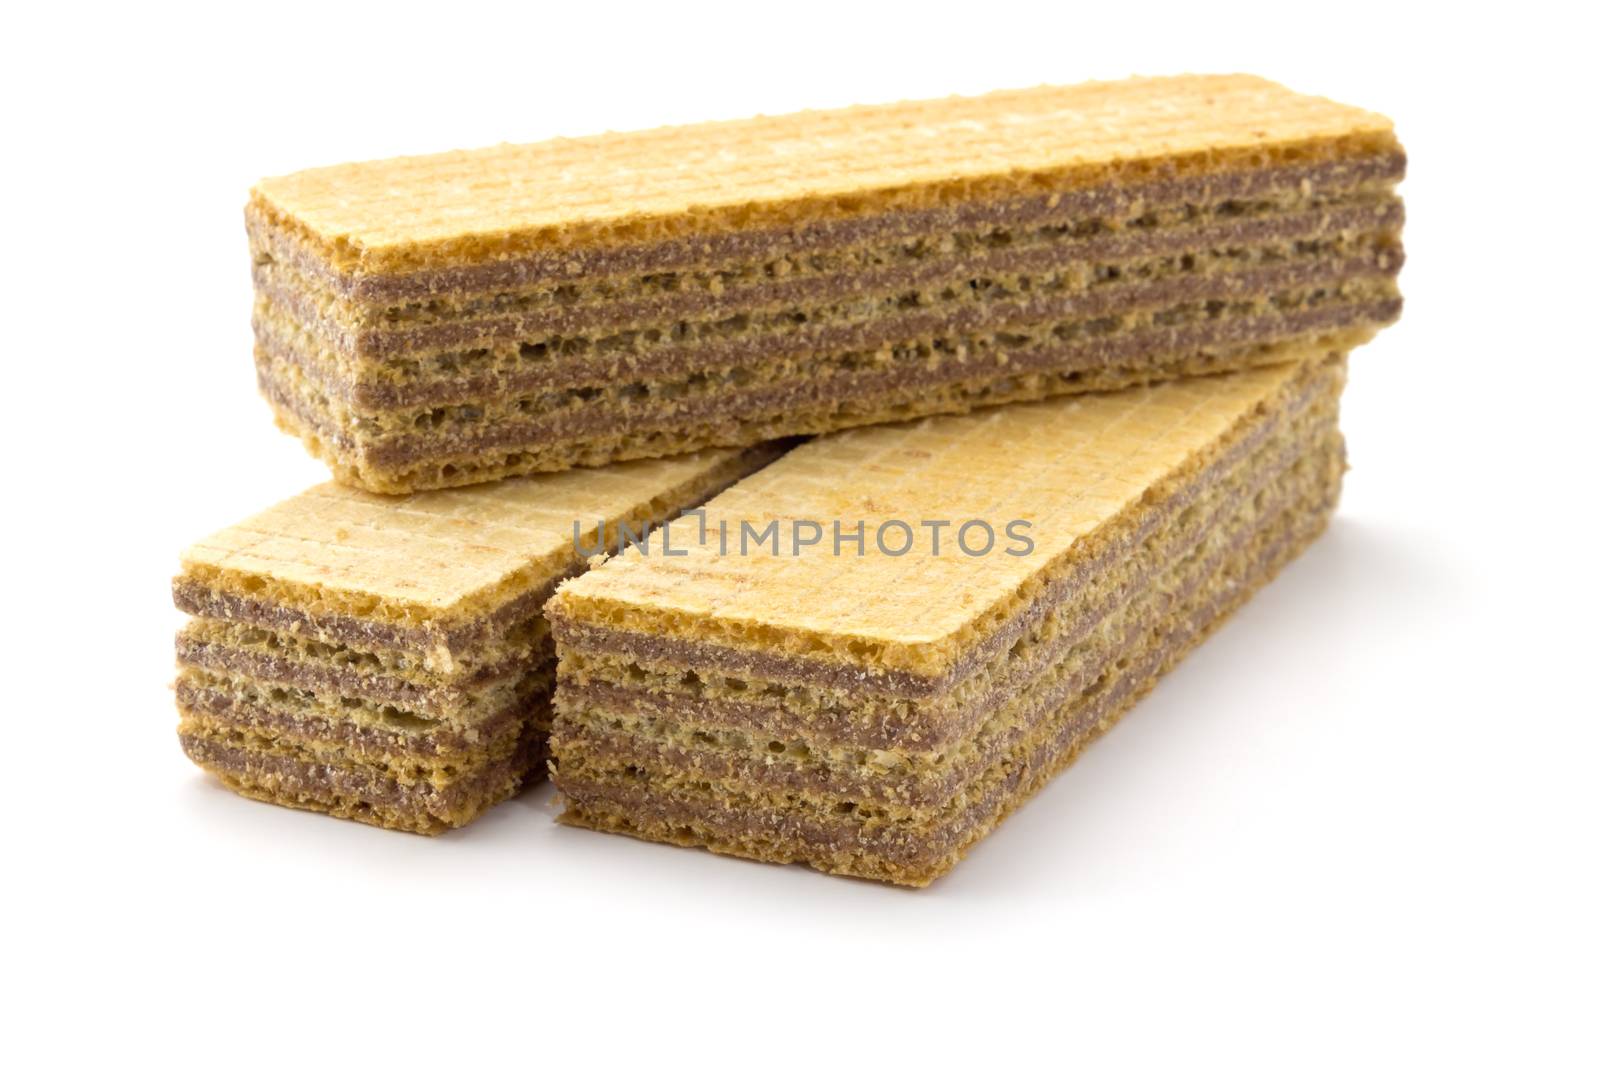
column 872, row 700
column 447, row 319
column 385, row 658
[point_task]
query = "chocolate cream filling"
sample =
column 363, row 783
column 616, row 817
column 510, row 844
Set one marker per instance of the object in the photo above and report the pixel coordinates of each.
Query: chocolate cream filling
column 670, row 360
column 830, row 287
column 716, row 417
column 287, row 778
column 350, row 682
column 220, row 709
column 194, row 597
column 1110, row 200
column 933, row 845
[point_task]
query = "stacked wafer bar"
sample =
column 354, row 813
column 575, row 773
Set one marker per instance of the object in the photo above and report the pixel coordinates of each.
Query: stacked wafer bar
column 876, row 715
column 385, row 658
column 447, row 319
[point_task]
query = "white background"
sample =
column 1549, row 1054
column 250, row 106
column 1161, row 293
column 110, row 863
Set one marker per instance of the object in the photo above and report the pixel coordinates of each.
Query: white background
column 1361, row 821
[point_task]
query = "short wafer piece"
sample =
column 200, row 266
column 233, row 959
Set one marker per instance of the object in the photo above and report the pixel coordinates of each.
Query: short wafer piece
column 874, row 705
column 385, row 658
column 447, row 319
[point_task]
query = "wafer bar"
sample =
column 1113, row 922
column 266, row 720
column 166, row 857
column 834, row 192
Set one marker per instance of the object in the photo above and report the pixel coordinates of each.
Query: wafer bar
column 874, row 707
column 384, row 658
column 446, row 319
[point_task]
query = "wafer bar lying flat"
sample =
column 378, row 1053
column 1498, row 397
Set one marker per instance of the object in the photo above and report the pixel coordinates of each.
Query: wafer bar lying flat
column 447, row 319
column 877, row 714
column 385, row 658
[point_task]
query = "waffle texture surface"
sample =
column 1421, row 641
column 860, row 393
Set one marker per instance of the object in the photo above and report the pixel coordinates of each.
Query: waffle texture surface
column 1065, row 468
column 493, row 202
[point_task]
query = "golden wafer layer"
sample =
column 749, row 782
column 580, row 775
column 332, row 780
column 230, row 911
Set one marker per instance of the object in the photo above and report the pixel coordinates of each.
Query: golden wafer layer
column 723, row 177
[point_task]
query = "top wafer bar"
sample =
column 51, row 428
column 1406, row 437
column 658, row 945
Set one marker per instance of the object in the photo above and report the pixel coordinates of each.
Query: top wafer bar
column 440, row 320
